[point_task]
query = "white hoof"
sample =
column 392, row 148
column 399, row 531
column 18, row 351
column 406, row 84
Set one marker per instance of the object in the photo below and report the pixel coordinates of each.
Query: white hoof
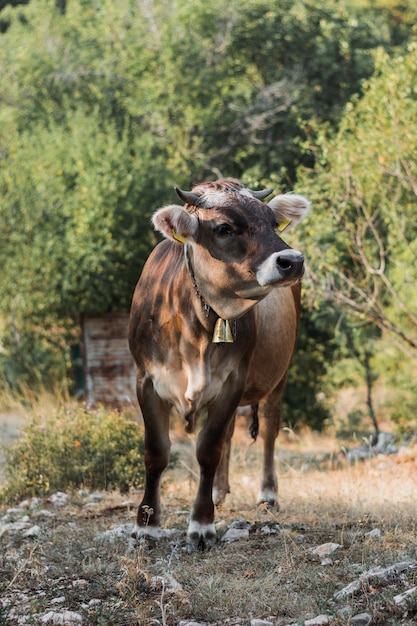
column 200, row 536
column 268, row 496
column 148, row 532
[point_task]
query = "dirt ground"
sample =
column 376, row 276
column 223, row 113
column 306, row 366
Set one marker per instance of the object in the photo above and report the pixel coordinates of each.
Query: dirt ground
column 69, row 559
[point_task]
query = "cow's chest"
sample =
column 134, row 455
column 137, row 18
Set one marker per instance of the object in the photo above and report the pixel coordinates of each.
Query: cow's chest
column 190, row 377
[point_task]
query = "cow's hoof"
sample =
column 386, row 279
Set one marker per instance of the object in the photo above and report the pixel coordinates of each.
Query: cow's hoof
column 148, row 532
column 200, row 536
column 267, row 500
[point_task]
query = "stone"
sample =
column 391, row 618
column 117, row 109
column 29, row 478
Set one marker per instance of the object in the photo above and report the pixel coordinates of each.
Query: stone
column 235, row 534
column 59, row 499
column 320, row 620
column 325, row 549
column 385, row 444
column 67, row 618
column 168, row 583
column 380, row 573
column 241, row 524
column 345, row 611
column 375, row 533
column 361, row 619
column 96, row 497
column 33, row 531
column 13, row 527
column 260, row 622
column 121, row 530
column 401, row 598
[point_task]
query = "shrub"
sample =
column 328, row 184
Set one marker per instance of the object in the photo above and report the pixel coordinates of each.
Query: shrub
column 75, row 448
column 403, row 412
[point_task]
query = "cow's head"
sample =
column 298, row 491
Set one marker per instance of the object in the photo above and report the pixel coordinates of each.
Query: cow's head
column 233, row 242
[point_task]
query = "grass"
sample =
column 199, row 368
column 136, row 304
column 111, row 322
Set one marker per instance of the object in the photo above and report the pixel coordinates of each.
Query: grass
column 268, row 576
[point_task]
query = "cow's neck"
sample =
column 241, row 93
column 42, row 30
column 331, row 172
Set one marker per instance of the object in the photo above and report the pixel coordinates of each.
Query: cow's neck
column 222, row 315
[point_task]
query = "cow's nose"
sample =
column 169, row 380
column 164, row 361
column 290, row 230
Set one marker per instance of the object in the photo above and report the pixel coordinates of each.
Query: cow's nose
column 290, row 262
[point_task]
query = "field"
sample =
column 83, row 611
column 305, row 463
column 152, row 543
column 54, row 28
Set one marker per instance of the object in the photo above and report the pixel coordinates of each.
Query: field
column 69, row 560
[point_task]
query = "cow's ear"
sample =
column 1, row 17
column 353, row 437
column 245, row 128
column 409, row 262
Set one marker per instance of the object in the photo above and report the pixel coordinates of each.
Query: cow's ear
column 175, row 223
column 290, row 209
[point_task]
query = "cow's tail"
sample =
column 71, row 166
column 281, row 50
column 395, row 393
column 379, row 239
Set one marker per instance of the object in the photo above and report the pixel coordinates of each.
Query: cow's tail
column 254, row 427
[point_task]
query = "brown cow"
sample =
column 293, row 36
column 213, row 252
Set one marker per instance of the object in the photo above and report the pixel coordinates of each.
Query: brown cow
column 213, row 326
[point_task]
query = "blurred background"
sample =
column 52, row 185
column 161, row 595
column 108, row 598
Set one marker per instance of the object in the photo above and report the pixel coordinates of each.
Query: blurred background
column 105, row 105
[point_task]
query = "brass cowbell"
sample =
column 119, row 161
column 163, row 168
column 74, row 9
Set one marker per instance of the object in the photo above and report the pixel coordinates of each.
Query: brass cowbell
column 222, row 332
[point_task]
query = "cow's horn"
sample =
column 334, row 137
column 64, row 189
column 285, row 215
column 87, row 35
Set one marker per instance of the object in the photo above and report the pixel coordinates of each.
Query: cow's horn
column 261, row 195
column 187, row 196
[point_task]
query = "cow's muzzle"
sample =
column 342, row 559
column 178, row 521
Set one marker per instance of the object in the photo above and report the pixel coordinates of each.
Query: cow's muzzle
column 285, row 266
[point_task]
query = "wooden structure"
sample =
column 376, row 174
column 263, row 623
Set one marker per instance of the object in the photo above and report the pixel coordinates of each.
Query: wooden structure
column 109, row 369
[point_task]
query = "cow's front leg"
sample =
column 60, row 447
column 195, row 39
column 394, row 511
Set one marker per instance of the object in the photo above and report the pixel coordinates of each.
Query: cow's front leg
column 157, row 449
column 201, row 530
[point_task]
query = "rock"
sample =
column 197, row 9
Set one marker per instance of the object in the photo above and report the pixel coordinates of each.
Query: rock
column 168, row 583
column 122, row 530
column 380, row 573
column 67, row 618
column 97, row 497
column 401, row 598
column 345, row 611
column 374, row 534
column 13, row 526
column 241, row 524
column 325, row 549
column 30, row 503
column 385, row 444
column 43, row 513
column 359, row 454
column 349, row 590
column 260, row 622
column 235, row 534
column 80, row 583
column 361, row 619
column 33, row 531
column 191, row 623
column 59, row 499
column 326, row 562
column 320, row 620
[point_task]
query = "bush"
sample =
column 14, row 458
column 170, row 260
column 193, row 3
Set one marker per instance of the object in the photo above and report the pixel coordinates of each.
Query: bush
column 403, row 412
column 75, row 448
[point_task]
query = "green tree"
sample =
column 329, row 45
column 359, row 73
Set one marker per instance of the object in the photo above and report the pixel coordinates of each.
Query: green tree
column 106, row 106
column 363, row 245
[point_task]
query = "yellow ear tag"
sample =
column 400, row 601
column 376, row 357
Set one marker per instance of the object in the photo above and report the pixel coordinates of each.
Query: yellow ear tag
column 283, row 225
column 178, row 237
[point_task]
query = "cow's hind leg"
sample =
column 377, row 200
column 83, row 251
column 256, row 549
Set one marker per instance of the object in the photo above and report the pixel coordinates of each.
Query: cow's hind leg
column 157, row 449
column 269, row 424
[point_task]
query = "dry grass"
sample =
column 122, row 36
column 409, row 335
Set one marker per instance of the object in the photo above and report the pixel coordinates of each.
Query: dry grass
column 271, row 576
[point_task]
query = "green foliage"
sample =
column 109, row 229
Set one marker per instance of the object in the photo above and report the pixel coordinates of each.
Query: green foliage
column 73, row 449
column 304, row 400
column 106, row 106
column 362, row 246
column 403, row 412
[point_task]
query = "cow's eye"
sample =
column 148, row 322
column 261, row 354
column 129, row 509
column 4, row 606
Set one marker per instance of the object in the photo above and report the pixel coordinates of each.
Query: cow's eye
column 223, row 230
